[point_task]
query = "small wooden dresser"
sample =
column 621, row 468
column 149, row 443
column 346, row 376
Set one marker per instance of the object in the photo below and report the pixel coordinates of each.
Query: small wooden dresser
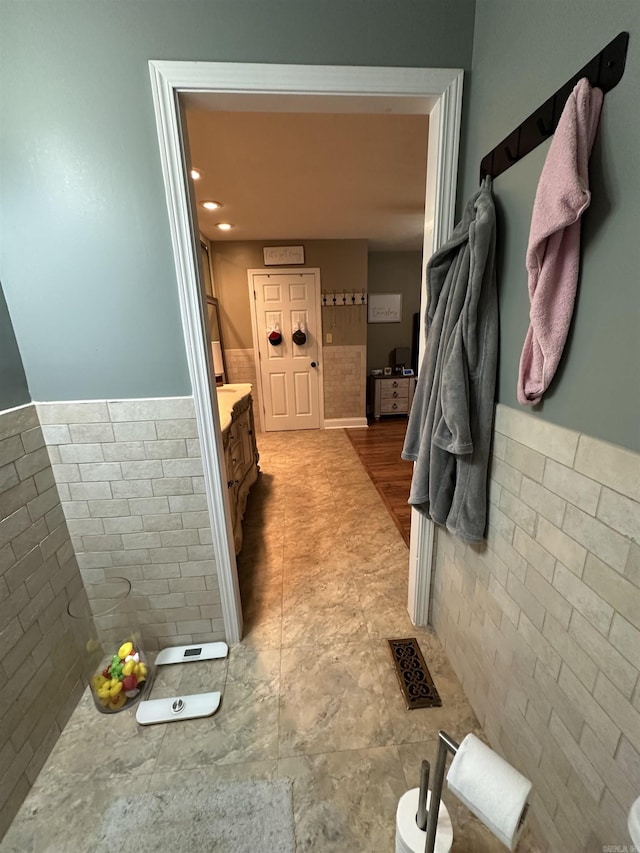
column 391, row 395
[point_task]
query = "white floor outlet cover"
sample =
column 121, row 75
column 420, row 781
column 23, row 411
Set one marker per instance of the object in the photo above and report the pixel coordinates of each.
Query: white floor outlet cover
column 177, row 708
column 190, row 654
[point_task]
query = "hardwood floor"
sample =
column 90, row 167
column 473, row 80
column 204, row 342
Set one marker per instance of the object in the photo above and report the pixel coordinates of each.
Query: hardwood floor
column 379, row 449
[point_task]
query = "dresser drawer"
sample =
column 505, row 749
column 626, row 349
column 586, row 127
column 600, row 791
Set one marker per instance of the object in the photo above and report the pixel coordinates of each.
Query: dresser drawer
column 395, row 383
column 394, row 407
column 389, row 393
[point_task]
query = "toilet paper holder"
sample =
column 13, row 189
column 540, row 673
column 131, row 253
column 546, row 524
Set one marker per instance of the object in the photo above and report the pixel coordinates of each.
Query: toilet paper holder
column 445, row 744
column 429, row 819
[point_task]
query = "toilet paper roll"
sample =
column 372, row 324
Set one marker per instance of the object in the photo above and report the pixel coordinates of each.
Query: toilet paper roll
column 491, row 788
column 410, row 839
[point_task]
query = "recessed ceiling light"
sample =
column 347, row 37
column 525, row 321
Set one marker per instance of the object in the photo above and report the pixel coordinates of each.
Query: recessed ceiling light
column 224, row 226
column 196, row 174
column 211, row 205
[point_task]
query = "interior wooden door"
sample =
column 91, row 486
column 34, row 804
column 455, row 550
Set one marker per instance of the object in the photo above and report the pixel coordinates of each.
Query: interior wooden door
column 289, row 371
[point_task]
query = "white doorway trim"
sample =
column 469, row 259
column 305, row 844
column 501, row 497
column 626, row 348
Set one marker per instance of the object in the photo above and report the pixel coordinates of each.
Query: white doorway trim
column 436, row 91
column 254, row 333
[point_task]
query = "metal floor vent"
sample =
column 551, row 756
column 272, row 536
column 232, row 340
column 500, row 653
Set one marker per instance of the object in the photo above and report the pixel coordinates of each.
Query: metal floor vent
column 416, row 683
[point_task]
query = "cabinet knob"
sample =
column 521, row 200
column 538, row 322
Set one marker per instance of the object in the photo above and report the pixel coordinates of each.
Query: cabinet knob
column 395, row 394
column 394, row 384
column 395, row 406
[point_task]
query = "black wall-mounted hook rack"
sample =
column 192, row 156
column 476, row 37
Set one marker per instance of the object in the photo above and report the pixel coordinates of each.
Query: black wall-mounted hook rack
column 604, row 71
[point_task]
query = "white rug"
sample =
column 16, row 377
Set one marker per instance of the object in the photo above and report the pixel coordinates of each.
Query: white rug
column 237, row 817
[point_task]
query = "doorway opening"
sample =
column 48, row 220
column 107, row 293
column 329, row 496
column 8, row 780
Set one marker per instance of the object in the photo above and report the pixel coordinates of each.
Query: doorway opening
column 436, row 92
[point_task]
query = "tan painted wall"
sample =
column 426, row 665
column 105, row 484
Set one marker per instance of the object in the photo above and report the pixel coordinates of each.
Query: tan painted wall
column 342, row 264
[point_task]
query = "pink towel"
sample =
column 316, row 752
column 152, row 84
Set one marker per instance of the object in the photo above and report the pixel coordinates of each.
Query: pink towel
column 553, row 255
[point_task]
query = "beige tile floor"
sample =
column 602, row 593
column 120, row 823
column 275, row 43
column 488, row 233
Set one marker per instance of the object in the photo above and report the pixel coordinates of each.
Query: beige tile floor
column 310, row 693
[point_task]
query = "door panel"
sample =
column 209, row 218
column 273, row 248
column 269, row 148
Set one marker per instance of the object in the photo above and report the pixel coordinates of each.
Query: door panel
column 297, row 318
column 278, row 389
column 272, row 293
column 290, row 385
column 302, row 393
column 273, row 320
column 298, row 293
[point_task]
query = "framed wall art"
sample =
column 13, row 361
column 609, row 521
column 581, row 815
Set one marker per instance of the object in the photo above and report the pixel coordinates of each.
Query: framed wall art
column 385, row 308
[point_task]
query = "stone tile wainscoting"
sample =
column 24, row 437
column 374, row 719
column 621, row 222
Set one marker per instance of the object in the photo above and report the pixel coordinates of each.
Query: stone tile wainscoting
column 241, row 367
column 39, row 673
column 345, row 387
column 129, row 475
column 542, row 625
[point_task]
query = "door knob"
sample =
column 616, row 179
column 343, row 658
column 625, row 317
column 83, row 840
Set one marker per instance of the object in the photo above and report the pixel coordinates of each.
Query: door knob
column 314, row 364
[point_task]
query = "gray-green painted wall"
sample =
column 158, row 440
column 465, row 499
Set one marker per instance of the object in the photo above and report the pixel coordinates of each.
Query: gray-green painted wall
column 393, row 272
column 522, row 53
column 86, row 262
column 13, row 383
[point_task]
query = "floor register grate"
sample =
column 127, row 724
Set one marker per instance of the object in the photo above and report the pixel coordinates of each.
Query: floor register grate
column 416, row 683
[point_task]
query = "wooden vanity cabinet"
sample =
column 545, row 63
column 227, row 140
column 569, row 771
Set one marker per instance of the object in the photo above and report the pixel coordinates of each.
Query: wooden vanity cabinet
column 241, row 461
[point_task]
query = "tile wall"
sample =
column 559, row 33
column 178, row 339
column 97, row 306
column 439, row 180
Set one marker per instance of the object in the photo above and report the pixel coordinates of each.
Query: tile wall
column 39, row 670
column 130, row 479
column 241, row 367
column 344, row 381
column 542, row 624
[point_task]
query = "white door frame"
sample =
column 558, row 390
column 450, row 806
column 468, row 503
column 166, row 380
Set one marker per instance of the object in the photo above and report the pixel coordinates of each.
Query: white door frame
column 315, row 271
column 168, row 80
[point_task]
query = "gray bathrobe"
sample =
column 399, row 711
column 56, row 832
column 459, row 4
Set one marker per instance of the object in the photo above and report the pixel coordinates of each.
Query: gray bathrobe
column 449, row 431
